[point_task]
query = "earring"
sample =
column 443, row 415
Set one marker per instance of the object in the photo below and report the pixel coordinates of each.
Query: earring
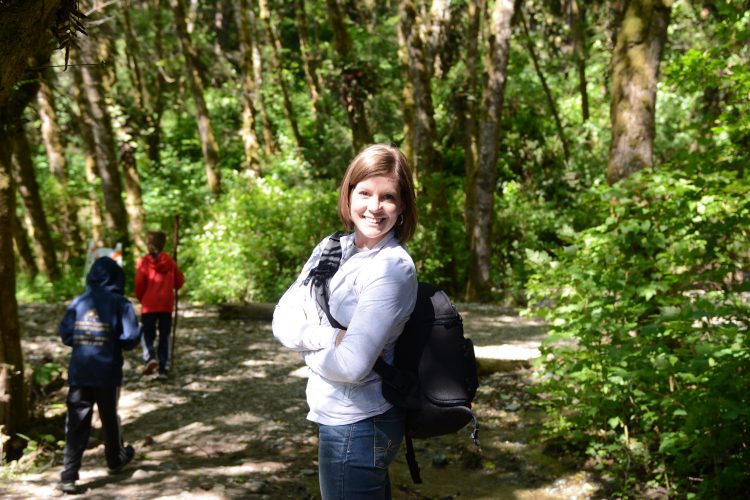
column 401, row 219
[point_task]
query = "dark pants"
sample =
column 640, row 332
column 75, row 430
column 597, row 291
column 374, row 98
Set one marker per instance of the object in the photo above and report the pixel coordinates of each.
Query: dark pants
column 149, row 323
column 78, row 426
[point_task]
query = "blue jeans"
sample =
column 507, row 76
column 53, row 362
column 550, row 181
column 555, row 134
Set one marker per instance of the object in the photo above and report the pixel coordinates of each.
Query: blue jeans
column 353, row 459
column 149, row 323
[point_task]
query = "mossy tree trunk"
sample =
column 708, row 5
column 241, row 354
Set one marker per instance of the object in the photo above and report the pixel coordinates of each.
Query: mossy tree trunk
column 209, row 146
column 481, row 182
column 352, row 86
column 245, row 23
column 310, row 57
column 54, row 145
column 278, row 67
column 25, row 254
column 14, row 403
column 90, row 77
column 12, row 116
column 24, row 32
column 28, row 187
column 635, row 68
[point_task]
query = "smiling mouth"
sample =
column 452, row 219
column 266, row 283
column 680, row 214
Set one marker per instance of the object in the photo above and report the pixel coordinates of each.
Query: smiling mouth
column 373, row 220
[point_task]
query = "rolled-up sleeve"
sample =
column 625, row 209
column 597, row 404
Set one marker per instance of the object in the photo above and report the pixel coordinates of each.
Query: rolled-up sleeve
column 296, row 324
column 387, row 292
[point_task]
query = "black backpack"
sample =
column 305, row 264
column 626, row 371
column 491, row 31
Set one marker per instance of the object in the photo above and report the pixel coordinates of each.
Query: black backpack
column 434, row 375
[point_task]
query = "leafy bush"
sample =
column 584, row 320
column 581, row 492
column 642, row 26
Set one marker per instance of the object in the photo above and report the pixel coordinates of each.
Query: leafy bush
column 257, row 239
column 38, row 288
column 647, row 365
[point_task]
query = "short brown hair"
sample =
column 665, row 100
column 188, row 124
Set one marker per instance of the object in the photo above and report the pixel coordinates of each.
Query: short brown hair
column 156, row 239
column 381, row 160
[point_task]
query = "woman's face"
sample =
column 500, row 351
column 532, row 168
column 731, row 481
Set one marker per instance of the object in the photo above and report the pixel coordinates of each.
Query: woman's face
column 375, row 205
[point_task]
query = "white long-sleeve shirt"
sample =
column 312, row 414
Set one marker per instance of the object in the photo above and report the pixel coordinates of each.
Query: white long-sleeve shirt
column 373, row 294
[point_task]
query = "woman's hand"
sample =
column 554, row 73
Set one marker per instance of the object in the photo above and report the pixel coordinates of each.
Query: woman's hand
column 340, row 337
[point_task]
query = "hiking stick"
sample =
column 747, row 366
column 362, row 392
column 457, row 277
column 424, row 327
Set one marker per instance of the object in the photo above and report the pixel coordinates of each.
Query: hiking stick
column 176, row 243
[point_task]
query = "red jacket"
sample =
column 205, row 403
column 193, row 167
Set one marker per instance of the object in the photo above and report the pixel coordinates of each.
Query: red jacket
column 156, row 279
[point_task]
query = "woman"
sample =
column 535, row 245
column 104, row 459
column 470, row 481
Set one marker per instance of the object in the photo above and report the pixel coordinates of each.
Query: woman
column 373, row 293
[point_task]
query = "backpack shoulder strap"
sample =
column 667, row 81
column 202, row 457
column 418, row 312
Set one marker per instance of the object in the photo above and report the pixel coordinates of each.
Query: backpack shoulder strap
column 321, row 275
column 411, row 460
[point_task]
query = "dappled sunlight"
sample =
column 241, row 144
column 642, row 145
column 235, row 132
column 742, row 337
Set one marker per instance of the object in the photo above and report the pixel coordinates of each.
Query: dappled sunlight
column 250, row 467
column 140, row 402
column 229, row 422
column 240, row 419
column 185, row 434
column 203, row 387
column 301, row 372
column 257, row 362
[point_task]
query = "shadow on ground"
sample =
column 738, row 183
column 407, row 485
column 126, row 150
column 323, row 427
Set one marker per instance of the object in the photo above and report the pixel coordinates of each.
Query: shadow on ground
column 230, row 422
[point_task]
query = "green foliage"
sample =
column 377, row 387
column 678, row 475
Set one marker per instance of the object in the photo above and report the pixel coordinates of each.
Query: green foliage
column 45, row 373
column 647, row 362
column 438, row 248
column 256, row 239
column 30, row 289
column 526, row 221
column 38, row 453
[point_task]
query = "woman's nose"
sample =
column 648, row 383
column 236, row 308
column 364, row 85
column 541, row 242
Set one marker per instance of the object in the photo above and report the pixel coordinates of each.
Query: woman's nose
column 374, row 204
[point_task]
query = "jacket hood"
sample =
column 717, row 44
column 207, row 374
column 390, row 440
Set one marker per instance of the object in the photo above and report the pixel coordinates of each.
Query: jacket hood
column 107, row 274
column 162, row 263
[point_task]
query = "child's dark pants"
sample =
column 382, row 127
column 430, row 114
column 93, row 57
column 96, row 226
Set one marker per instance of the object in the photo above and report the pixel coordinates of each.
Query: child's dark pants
column 149, row 323
column 78, row 426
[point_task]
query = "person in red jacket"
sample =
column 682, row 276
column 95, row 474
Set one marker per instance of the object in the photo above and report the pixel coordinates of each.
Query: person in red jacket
column 157, row 277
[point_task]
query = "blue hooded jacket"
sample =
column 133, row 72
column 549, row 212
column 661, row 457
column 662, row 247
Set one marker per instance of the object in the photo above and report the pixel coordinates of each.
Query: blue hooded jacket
column 98, row 324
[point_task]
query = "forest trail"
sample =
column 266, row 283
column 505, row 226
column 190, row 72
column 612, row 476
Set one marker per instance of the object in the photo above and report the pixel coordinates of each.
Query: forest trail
column 230, row 421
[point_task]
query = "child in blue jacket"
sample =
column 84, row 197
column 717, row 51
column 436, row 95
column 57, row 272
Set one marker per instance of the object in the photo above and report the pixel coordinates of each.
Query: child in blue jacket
column 98, row 325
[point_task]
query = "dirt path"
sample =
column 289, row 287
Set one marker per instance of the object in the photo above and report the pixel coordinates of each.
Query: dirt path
column 229, row 423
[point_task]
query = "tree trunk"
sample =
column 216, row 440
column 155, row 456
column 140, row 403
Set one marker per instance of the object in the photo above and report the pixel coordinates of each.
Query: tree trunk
column 635, row 68
column 11, row 115
column 208, row 143
column 420, row 134
column 28, row 187
column 153, row 139
column 578, row 29
column 98, row 123
column 483, row 181
column 269, row 140
column 72, row 240
column 144, row 113
column 14, row 403
column 408, row 106
column 469, row 111
column 245, row 23
column 309, row 59
column 25, row 254
column 96, row 217
column 275, row 44
column 435, row 39
column 134, row 197
column 352, row 89
column 24, row 32
column 547, row 91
